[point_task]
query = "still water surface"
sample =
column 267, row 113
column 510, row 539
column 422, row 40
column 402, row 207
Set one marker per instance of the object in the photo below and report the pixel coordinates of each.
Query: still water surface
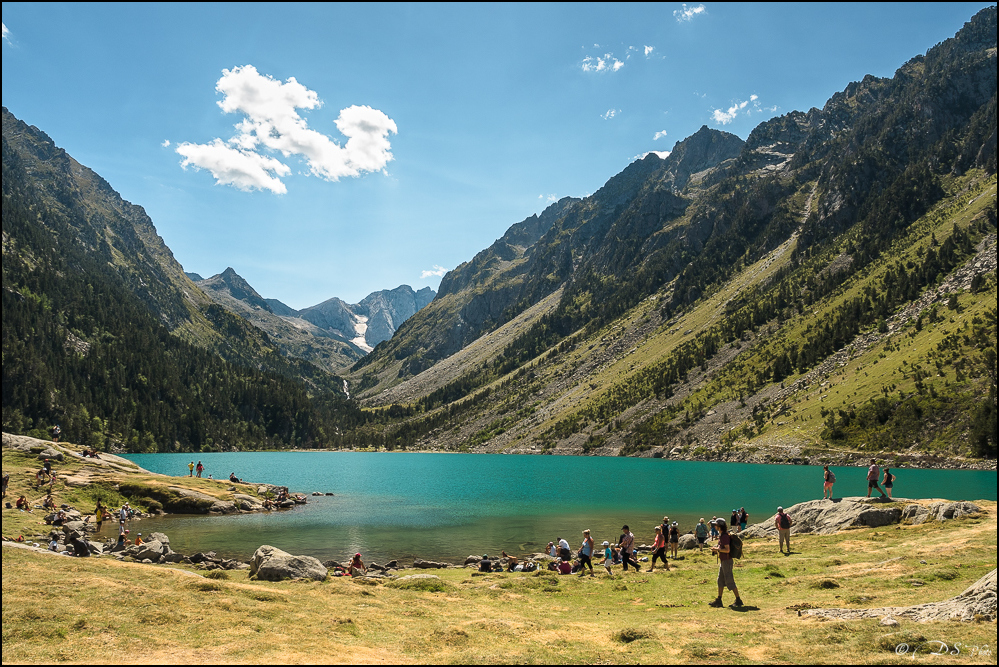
column 448, row 506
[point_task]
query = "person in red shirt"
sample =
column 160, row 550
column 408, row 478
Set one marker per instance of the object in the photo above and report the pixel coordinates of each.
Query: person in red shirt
column 725, row 564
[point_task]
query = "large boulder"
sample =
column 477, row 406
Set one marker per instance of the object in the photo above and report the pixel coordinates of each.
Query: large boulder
column 152, row 550
column 824, row 517
column 939, row 511
column 223, row 507
column 429, row 565
column 161, row 538
column 271, row 564
column 688, row 541
column 50, row 454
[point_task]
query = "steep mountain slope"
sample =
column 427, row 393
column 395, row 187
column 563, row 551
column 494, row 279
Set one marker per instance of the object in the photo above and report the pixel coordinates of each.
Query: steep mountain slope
column 607, row 233
column 694, row 289
column 333, row 334
column 104, row 333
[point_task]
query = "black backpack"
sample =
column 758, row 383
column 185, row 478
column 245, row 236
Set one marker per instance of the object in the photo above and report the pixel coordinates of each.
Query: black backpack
column 735, row 546
column 785, row 521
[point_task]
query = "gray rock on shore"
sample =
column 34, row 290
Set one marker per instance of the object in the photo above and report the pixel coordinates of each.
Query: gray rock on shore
column 271, row 564
column 977, row 602
column 824, row 517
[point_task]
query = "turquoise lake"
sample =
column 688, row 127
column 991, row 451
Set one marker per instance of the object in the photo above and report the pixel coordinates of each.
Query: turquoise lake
column 449, row 506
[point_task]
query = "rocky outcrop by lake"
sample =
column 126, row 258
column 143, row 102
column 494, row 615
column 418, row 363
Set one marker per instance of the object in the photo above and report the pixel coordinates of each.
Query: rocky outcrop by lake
column 824, row 517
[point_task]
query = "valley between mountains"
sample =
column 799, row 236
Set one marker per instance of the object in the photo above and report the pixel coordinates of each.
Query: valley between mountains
column 823, row 291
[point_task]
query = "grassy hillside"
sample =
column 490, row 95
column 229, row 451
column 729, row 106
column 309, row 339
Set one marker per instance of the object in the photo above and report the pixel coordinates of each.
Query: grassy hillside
column 825, row 291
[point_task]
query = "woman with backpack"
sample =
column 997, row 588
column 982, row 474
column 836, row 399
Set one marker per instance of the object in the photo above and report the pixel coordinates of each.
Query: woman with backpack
column 828, row 479
column 726, row 579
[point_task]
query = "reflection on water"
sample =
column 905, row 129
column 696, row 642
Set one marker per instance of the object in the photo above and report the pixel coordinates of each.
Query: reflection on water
column 449, row 506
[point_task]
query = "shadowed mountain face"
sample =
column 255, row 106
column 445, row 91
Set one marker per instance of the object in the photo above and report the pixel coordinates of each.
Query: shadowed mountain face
column 105, row 335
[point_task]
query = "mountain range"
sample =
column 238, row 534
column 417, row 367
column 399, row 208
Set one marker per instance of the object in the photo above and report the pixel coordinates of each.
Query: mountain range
column 332, row 334
column 825, row 288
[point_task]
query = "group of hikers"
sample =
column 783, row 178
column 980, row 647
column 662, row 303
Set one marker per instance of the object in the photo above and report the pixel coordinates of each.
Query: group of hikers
column 199, row 468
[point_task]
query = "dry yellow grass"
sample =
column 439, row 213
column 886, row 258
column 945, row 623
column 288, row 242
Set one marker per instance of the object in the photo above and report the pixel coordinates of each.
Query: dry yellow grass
column 58, row 609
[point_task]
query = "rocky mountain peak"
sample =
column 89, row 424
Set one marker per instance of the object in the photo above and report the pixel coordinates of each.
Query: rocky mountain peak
column 235, row 286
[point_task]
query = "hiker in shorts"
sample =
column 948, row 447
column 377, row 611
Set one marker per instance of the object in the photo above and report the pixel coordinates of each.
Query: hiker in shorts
column 743, row 518
column 714, row 528
column 190, row 469
column 627, row 550
column 828, row 479
column 872, row 479
column 726, row 579
column 783, row 523
column 888, row 481
column 608, row 556
column 673, row 538
column 199, row 468
column 733, row 522
column 701, row 533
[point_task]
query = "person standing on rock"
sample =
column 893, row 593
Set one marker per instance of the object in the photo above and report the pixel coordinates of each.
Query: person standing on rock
column 828, row 479
column 783, row 523
column 733, row 522
column 872, row 479
column 99, row 515
column 726, row 578
column 888, row 482
column 190, row 469
column 200, row 468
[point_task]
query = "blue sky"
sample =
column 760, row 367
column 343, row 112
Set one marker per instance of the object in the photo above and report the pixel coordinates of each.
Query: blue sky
column 461, row 119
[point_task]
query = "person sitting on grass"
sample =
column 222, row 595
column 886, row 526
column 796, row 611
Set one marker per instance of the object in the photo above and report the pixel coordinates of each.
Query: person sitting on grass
column 22, row 504
column 49, row 502
column 357, row 568
column 564, row 567
column 485, row 565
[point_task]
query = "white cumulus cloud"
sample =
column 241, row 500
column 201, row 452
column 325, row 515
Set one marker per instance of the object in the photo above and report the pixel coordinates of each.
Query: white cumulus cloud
column 606, row 63
column 438, row 271
column 649, row 50
column 661, row 154
column 610, row 113
column 272, row 123
column 166, row 143
column 726, row 117
column 659, row 135
column 688, row 13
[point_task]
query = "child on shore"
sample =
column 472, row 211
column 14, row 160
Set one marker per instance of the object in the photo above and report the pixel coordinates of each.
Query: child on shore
column 608, row 556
